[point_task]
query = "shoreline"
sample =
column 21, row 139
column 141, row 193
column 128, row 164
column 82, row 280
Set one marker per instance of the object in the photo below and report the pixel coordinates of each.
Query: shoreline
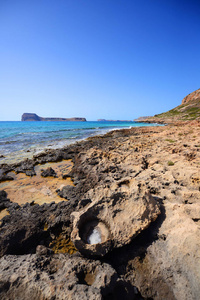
column 143, row 180
column 20, row 155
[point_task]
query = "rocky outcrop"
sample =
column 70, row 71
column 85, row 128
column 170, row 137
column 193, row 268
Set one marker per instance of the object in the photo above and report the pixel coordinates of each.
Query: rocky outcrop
column 5, row 177
column 60, row 277
column 188, row 110
column 192, row 96
column 49, row 172
column 30, row 117
column 112, row 221
column 34, row 117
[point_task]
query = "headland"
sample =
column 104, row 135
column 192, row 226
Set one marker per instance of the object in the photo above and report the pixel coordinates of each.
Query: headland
column 188, row 110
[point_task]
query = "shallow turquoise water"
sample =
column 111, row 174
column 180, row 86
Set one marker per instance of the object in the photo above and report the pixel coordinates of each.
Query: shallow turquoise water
column 17, row 138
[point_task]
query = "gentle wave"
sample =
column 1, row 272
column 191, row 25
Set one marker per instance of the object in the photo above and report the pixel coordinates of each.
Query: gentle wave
column 16, row 138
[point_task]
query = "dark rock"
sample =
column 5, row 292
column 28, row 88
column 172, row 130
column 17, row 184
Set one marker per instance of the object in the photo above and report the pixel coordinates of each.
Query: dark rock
column 68, row 192
column 27, row 166
column 5, row 177
column 24, row 229
column 4, row 202
column 64, row 176
column 48, row 172
column 30, row 173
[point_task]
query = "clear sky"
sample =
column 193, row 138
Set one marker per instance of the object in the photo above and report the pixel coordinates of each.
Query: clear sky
column 113, row 59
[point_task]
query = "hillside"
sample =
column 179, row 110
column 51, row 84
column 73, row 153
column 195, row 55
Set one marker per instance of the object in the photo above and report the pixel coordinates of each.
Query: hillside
column 188, row 110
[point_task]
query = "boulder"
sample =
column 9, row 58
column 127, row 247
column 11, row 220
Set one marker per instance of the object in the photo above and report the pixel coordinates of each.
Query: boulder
column 112, row 222
column 48, row 172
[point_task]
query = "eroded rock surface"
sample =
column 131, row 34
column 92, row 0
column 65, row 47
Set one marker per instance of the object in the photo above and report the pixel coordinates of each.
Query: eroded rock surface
column 38, row 277
column 117, row 218
column 155, row 248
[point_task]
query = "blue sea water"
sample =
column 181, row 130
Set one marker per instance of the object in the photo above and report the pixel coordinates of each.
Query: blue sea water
column 19, row 140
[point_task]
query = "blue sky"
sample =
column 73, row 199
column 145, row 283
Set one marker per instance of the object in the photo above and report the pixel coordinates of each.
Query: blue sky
column 113, row 59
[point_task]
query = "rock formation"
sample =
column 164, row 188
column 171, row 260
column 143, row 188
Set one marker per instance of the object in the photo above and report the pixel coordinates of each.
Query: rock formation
column 34, row 117
column 192, row 96
column 43, row 276
column 118, row 217
column 188, row 110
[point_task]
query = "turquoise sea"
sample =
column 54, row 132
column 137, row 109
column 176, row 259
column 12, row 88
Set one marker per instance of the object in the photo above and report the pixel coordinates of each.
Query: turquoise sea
column 19, row 140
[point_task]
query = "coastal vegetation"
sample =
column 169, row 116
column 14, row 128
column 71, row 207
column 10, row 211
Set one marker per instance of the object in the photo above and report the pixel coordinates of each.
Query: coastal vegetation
column 188, row 110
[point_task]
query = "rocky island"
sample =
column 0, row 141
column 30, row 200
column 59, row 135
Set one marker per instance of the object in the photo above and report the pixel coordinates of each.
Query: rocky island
column 34, row 117
column 112, row 217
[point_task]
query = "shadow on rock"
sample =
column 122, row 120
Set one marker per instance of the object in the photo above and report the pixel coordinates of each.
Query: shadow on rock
column 120, row 257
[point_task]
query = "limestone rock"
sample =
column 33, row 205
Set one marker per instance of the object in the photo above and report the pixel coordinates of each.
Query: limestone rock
column 116, row 220
column 192, row 96
column 60, row 277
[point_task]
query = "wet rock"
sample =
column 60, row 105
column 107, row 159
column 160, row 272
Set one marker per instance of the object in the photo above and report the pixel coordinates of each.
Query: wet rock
column 42, row 250
column 4, row 202
column 49, row 172
column 23, row 167
column 65, row 176
column 5, row 177
column 29, row 226
column 30, row 172
column 68, row 192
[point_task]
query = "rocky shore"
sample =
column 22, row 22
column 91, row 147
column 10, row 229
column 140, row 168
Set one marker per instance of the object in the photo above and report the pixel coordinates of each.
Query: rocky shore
column 124, row 224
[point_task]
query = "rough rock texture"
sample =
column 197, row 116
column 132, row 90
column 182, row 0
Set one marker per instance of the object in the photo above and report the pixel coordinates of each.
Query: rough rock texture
column 36, row 188
column 31, row 225
column 48, row 172
column 119, row 217
column 5, row 177
column 41, row 276
column 109, row 172
column 192, row 96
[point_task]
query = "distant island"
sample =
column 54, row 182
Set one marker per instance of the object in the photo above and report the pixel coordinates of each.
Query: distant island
column 34, row 117
column 104, row 120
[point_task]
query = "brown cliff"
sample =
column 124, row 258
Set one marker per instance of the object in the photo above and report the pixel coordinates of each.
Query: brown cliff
column 188, row 110
column 192, row 96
